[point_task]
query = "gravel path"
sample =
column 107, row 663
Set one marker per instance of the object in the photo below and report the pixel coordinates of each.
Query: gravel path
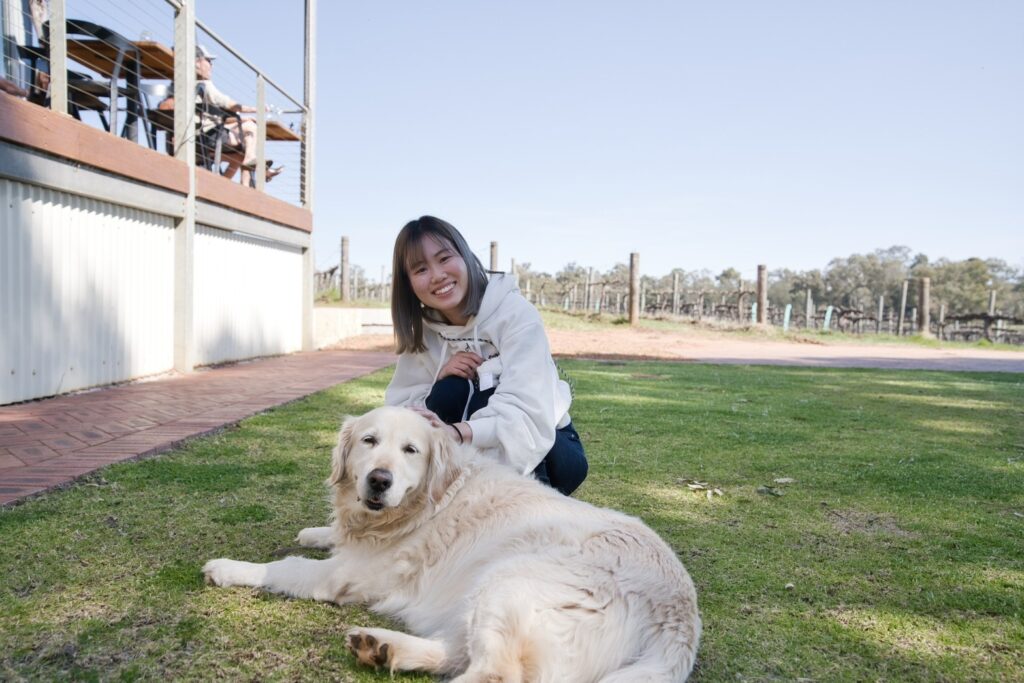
column 708, row 347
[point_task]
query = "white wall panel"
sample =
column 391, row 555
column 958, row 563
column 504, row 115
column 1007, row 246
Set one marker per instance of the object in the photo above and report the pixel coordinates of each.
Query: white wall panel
column 86, row 292
column 248, row 296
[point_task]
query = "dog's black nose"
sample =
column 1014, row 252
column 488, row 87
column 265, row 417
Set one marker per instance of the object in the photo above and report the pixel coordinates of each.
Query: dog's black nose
column 379, row 480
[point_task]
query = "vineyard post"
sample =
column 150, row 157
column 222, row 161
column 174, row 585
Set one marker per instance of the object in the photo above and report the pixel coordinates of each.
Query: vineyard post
column 634, row 288
column 925, row 295
column 345, row 286
column 903, row 309
column 762, row 294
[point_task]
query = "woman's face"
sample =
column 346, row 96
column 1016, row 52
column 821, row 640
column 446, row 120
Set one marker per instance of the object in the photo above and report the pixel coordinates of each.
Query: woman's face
column 440, row 280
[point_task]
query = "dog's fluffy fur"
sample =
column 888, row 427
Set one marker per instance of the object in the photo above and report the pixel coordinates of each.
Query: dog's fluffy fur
column 502, row 578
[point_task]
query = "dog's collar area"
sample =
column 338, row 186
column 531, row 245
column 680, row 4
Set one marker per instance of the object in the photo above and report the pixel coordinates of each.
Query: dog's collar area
column 450, row 492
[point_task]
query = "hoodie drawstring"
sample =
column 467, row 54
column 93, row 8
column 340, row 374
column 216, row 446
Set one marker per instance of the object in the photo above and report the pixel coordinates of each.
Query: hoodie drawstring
column 476, row 345
column 440, row 365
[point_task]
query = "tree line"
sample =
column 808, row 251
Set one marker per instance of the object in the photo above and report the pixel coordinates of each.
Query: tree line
column 852, row 282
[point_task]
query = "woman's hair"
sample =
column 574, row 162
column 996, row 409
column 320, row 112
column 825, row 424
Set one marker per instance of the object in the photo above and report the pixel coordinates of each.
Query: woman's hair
column 406, row 310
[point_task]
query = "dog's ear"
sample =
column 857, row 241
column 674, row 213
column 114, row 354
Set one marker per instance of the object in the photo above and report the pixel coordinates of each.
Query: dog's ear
column 340, row 452
column 442, row 470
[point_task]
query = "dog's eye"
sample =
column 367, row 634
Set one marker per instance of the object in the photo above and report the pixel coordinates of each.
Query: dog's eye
column 370, row 440
column 410, row 449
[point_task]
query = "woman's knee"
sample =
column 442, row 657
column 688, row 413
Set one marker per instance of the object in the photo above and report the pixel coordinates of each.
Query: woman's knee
column 448, row 398
column 565, row 466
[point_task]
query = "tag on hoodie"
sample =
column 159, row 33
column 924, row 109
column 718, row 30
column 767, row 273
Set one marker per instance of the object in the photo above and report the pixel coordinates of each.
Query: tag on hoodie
column 486, row 380
column 488, row 372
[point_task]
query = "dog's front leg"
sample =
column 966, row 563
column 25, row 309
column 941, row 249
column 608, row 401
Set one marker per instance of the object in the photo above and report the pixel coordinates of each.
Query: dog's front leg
column 298, row 577
column 322, row 537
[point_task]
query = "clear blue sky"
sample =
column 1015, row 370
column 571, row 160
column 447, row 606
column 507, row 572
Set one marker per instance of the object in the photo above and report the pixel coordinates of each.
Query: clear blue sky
column 700, row 134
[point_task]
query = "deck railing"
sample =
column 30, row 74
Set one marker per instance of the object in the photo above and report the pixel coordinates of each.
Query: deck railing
column 112, row 64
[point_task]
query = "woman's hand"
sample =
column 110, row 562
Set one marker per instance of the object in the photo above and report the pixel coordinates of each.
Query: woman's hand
column 435, row 421
column 462, row 364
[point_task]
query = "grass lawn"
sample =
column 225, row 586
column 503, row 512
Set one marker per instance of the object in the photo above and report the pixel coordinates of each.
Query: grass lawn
column 896, row 553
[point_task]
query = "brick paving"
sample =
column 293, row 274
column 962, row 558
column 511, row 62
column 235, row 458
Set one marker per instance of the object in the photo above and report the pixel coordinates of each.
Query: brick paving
column 48, row 443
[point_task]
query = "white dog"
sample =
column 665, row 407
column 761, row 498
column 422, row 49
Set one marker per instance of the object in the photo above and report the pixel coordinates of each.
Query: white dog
column 502, row 578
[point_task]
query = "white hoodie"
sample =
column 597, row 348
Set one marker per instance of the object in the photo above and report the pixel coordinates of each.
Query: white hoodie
column 517, row 426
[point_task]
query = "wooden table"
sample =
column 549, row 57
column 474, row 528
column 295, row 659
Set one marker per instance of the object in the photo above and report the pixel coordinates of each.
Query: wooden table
column 156, row 59
column 276, row 131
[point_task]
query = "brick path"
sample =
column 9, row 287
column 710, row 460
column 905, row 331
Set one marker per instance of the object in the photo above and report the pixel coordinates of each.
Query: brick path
column 47, row 443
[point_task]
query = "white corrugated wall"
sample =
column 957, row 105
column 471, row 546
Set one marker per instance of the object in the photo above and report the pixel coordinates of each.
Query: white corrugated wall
column 248, row 296
column 86, row 292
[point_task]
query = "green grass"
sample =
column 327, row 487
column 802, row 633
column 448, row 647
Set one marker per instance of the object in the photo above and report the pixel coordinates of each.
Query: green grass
column 902, row 535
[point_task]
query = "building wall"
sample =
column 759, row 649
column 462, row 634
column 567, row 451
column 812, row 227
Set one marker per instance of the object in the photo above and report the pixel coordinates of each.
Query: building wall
column 92, row 291
column 248, row 296
column 86, row 292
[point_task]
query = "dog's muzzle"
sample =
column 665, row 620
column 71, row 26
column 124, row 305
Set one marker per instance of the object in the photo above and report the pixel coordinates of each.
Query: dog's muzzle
column 378, row 482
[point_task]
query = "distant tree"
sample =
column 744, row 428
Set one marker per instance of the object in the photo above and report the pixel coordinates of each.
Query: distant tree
column 786, row 286
column 859, row 279
column 964, row 286
column 729, row 280
column 617, row 276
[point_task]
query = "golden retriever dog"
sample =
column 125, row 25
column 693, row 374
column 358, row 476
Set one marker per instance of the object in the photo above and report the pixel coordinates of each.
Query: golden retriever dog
column 500, row 578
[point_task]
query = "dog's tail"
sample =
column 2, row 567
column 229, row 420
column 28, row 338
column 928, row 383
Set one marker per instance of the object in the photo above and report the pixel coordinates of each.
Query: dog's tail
column 668, row 655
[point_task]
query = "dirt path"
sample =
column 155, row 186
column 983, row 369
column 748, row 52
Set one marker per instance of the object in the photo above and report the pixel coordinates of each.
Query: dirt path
column 734, row 349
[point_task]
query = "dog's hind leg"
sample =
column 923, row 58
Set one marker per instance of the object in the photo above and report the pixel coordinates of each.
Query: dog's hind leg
column 317, row 537
column 397, row 651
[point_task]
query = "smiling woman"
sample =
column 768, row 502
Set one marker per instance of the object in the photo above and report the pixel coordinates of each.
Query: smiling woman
column 474, row 357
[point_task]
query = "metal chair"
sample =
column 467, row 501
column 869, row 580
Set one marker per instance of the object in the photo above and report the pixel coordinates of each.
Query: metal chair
column 84, row 93
column 125, row 64
column 210, row 144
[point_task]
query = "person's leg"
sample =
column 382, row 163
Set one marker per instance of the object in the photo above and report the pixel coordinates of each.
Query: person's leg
column 565, row 466
column 244, row 138
column 448, row 398
column 249, row 142
column 478, row 400
column 231, row 141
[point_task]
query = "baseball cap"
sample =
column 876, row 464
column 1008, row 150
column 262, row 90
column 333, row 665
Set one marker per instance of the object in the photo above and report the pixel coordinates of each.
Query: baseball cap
column 202, row 52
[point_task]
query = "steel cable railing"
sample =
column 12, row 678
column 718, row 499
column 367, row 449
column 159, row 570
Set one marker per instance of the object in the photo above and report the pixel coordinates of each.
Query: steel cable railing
column 120, row 71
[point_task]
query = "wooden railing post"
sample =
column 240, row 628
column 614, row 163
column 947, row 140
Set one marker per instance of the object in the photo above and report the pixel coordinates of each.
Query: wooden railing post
column 762, row 294
column 185, row 150
column 634, row 288
column 903, row 309
column 344, row 275
column 925, row 305
column 59, row 58
column 261, row 134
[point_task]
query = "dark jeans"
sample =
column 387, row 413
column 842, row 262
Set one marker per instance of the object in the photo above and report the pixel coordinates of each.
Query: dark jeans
column 563, row 468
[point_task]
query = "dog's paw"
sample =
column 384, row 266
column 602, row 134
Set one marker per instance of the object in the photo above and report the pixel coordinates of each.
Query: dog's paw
column 225, row 572
column 368, row 649
column 316, row 537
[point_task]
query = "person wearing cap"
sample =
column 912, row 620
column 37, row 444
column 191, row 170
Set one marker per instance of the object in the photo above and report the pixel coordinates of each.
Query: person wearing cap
column 235, row 135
